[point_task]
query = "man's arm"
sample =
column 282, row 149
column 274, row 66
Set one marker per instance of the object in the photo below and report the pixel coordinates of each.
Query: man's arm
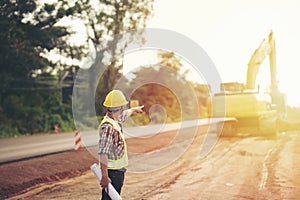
column 105, row 141
column 128, row 112
column 137, row 109
column 105, row 180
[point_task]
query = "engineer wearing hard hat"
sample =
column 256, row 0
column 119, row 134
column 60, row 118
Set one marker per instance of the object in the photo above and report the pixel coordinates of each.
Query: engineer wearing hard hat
column 112, row 145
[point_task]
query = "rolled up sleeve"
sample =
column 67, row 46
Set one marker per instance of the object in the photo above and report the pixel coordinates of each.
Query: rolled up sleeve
column 105, row 139
column 122, row 118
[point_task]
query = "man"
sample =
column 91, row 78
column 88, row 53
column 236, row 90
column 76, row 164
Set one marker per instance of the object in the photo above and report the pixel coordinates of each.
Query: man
column 112, row 145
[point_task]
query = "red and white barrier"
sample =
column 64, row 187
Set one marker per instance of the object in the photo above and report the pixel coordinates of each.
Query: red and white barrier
column 78, row 144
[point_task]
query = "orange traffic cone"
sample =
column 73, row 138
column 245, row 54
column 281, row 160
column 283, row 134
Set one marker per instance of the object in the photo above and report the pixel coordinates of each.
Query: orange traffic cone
column 78, row 145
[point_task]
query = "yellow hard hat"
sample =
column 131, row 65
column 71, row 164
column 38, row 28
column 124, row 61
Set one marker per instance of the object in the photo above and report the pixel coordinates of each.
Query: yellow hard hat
column 115, row 98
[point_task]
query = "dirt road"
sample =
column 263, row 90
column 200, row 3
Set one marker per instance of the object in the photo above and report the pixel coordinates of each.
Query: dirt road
column 237, row 168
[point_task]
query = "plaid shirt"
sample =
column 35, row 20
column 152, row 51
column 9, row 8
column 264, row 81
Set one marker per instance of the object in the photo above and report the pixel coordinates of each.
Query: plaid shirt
column 110, row 142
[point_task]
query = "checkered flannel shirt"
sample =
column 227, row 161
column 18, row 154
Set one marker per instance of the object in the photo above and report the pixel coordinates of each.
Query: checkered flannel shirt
column 110, row 142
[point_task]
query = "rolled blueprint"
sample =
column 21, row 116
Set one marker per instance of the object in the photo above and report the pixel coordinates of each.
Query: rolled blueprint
column 112, row 193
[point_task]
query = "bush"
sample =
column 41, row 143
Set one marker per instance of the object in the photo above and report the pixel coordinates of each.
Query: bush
column 137, row 120
column 34, row 113
column 8, row 131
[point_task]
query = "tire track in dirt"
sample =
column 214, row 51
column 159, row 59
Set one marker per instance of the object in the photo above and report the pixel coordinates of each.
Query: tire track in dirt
column 206, row 175
column 281, row 179
column 165, row 177
column 269, row 185
column 233, row 170
column 192, row 166
column 159, row 181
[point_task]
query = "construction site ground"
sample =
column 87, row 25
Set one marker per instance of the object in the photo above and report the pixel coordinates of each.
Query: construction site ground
column 237, row 168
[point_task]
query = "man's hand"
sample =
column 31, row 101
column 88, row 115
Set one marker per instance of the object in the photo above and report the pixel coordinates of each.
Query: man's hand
column 105, row 180
column 138, row 109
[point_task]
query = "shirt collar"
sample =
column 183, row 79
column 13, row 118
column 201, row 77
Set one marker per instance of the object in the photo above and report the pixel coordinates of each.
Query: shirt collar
column 110, row 115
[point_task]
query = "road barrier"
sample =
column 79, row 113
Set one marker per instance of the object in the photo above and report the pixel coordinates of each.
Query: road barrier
column 78, row 144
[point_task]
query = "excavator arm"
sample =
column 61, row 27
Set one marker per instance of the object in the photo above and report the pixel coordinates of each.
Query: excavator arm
column 266, row 48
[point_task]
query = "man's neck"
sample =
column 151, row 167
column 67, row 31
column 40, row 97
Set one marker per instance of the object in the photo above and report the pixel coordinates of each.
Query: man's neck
column 114, row 115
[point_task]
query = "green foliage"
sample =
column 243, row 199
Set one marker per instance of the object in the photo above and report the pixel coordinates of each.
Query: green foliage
column 29, row 32
column 37, row 115
column 140, row 119
column 35, row 90
column 105, row 22
column 164, row 91
column 171, row 94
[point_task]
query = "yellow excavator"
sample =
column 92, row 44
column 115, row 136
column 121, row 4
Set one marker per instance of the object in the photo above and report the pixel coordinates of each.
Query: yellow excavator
column 243, row 108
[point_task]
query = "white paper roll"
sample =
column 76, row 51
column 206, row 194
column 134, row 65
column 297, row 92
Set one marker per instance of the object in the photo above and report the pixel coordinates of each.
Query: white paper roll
column 112, row 193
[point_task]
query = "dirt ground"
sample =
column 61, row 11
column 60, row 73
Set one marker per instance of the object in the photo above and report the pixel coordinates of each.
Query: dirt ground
column 237, row 168
column 31, row 175
column 27, row 174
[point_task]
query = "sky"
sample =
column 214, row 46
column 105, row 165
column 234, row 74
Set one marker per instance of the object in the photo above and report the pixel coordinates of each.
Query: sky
column 229, row 31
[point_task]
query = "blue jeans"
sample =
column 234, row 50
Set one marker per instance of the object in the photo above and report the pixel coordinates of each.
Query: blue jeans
column 117, row 180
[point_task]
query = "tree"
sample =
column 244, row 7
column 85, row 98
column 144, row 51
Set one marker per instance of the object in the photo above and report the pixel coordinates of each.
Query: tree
column 105, row 22
column 164, row 84
column 29, row 32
